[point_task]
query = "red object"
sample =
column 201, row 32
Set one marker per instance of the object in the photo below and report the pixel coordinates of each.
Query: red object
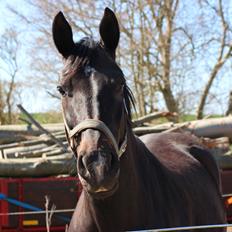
column 226, row 177
column 62, row 191
column 229, row 201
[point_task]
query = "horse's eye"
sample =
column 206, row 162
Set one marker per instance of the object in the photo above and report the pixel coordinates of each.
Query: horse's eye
column 61, row 90
column 119, row 87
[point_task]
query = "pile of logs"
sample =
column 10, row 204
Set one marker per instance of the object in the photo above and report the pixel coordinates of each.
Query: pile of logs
column 39, row 156
column 42, row 150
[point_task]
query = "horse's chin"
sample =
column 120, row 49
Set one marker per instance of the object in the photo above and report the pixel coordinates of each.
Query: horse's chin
column 103, row 193
column 99, row 192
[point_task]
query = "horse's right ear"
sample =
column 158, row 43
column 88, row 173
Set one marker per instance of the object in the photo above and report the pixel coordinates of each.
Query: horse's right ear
column 62, row 35
column 109, row 31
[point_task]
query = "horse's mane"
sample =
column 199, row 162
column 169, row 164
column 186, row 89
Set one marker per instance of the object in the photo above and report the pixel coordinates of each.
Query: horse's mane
column 83, row 55
column 129, row 102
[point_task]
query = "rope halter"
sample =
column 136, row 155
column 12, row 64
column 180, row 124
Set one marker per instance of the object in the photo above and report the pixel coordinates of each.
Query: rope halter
column 96, row 125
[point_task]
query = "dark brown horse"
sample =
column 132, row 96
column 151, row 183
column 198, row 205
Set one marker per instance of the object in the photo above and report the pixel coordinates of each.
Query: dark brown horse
column 129, row 183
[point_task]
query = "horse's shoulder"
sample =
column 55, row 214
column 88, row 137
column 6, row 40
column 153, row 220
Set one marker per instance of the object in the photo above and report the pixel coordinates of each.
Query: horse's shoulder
column 169, row 149
column 167, row 138
column 171, row 143
column 181, row 149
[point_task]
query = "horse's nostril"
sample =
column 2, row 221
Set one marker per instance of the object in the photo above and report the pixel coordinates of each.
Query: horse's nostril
column 112, row 161
column 97, row 164
column 80, row 164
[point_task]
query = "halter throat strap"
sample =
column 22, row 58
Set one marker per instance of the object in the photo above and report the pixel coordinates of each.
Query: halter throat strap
column 96, row 125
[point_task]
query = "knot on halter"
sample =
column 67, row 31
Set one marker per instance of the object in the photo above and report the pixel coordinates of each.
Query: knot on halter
column 97, row 125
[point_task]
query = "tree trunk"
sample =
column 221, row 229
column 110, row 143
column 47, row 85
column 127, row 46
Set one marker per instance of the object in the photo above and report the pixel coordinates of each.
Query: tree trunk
column 9, row 98
column 169, row 99
column 205, row 94
column 166, row 40
column 2, row 105
column 229, row 110
column 222, row 58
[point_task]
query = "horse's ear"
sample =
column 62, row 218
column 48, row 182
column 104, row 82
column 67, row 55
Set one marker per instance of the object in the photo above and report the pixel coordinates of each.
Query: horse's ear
column 62, row 35
column 109, row 31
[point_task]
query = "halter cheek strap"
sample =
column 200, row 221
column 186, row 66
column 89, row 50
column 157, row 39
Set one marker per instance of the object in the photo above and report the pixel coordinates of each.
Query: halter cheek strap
column 97, row 125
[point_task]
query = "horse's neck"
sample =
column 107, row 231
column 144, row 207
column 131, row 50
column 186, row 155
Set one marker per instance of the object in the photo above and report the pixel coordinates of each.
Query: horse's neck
column 123, row 200
column 134, row 174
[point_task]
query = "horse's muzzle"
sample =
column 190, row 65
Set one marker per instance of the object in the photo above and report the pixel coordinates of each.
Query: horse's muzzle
column 98, row 171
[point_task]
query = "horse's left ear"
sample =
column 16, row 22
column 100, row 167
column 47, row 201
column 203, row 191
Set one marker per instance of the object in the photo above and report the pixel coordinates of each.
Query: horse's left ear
column 62, row 35
column 109, row 31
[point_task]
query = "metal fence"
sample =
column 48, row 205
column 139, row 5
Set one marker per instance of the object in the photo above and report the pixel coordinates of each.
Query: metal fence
column 187, row 228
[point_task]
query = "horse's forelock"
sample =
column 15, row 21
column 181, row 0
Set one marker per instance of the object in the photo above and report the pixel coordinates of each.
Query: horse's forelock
column 81, row 57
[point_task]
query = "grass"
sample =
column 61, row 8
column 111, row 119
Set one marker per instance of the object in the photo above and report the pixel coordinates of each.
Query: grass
column 48, row 117
column 42, row 118
column 56, row 117
column 191, row 117
column 182, row 118
column 187, row 117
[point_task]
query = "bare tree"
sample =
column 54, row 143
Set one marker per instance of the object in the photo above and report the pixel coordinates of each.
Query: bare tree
column 46, row 64
column 150, row 30
column 147, row 58
column 224, row 53
column 9, row 48
column 159, row 49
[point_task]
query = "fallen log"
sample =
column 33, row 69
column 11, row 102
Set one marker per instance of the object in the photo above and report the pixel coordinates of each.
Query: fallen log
column 32, row 152
column 222, row 142
column 57, row 151
column 25, row 143
column 37, row 140
column 61, row 137
column 13, row 152
column 22, row 128
column 153, row 129
column 62, row 164
column 35, row 153
column 30, row 148
column 211, row 128
column 54, row 158
column 35, row 167
column 152, row 116
column 17, row 133
column 12, row 137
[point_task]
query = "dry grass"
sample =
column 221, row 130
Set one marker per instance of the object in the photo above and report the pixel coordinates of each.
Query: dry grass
column 49, row 215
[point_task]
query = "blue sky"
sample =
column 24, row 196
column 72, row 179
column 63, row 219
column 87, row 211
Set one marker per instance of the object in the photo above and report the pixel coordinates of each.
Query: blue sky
column 33, row 99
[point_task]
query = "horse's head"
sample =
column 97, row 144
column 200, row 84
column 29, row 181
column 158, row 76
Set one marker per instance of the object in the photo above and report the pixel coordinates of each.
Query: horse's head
column 95, row 102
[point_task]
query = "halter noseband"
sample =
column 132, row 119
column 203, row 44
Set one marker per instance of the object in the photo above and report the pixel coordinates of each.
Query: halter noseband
column 97, row 125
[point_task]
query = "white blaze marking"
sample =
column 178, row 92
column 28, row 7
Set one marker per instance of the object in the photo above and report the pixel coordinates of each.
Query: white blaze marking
column 95, row 90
